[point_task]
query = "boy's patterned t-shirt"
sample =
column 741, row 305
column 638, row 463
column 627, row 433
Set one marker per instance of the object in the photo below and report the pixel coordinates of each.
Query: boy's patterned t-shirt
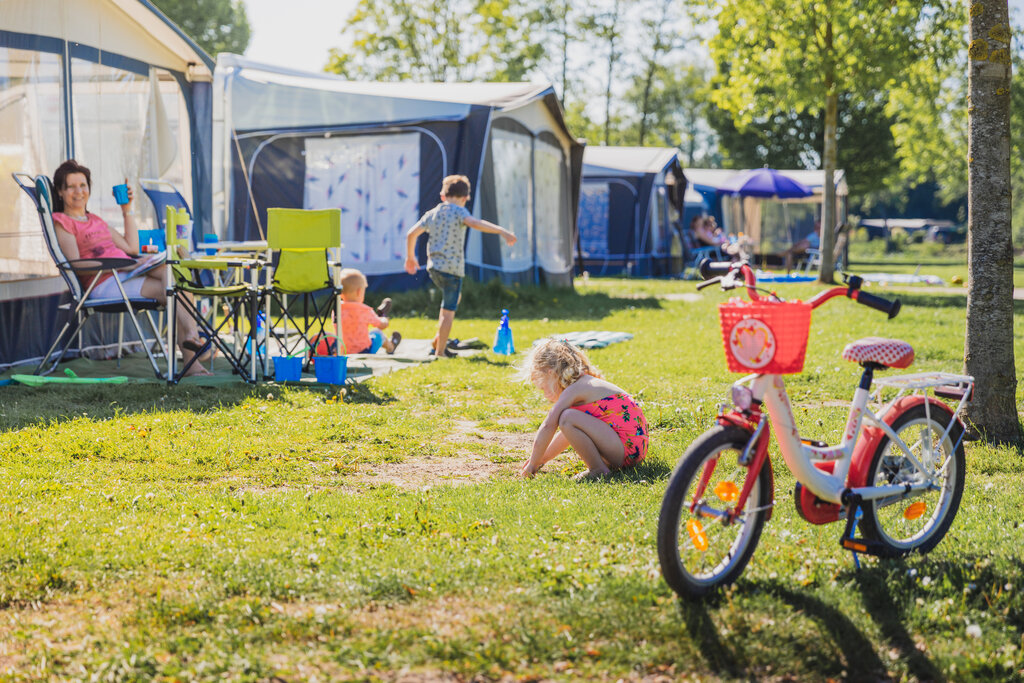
column 446, row 244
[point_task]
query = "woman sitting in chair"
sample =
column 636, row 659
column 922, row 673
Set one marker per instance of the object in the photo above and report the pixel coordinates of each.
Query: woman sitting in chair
column 84, row 235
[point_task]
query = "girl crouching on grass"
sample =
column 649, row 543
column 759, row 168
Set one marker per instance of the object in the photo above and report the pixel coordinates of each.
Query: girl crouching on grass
column 599, row 420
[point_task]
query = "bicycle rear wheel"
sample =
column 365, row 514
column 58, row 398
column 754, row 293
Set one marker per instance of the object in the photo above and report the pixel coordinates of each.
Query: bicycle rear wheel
column 701, row 549
column 903, row 524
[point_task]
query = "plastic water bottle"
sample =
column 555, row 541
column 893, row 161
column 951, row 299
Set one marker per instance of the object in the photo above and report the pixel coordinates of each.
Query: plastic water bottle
column 503, row 343
column 261, row 335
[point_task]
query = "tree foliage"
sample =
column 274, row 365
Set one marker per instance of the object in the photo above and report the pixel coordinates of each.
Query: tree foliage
column 215, row 25
column 614, row 62
column 801, row 55
column 441, row 40
column 788, row 139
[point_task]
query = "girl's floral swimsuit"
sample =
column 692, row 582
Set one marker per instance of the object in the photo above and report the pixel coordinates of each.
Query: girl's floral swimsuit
column 621, row 413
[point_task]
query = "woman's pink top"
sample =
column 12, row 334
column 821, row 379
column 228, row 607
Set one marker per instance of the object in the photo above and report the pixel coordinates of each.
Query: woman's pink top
column 355, row 321
column 93, row 239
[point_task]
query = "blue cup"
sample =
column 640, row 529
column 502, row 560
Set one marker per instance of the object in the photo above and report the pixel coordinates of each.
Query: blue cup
column 121, row 194
column 287, row 368
column 208, row 238
column 330, row 369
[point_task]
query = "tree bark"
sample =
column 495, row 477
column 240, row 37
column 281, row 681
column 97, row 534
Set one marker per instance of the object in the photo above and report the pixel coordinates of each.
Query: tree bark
column 829, row 155
column 988, row 344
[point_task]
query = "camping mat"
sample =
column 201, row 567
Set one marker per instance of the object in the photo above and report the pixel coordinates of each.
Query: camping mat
column 766, row 276
column 902, row 278
column 136, row 367
column 591, row 339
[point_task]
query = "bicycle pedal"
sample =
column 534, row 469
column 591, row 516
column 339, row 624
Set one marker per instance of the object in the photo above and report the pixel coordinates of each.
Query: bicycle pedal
column 862, row 545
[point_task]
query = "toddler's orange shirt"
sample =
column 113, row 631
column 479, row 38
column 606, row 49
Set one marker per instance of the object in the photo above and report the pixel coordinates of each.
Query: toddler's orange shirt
column 355, row 319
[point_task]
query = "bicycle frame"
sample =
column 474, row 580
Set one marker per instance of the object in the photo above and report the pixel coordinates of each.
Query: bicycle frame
column 834, row 474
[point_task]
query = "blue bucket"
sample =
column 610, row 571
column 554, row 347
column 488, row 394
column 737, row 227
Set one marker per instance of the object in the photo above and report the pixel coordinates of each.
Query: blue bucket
column 287, row 368
column 330, row 369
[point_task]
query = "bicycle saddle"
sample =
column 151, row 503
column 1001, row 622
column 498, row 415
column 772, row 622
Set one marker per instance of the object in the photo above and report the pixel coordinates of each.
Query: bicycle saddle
column 892, row 353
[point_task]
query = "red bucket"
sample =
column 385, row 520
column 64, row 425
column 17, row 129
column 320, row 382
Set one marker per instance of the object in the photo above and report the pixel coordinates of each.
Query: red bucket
column 768, row 338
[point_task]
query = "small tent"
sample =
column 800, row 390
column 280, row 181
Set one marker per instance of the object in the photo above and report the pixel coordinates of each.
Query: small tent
column 115, row 85
column 631, row 204
column 378, row 151
column 771, row 225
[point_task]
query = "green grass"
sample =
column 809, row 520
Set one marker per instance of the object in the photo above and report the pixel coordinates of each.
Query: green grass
column 250, row 533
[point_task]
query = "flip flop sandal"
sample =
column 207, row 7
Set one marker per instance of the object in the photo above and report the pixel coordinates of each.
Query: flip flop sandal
column 395, row 339
column 384, row 308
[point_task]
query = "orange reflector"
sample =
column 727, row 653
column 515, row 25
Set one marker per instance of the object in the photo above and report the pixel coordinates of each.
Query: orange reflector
column 727, row 491
column 697, row 535
column 915, row 510
column 851, row 545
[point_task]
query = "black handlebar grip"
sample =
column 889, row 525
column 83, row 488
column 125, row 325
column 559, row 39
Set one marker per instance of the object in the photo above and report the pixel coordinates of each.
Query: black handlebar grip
column 891, row 308
column 709, row 269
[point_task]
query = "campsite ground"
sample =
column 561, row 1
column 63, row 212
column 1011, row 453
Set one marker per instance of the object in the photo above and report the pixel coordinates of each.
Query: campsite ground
column 275, row 533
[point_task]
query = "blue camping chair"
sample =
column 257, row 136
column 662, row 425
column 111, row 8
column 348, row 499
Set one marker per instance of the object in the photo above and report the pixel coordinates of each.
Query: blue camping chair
column 40, row 189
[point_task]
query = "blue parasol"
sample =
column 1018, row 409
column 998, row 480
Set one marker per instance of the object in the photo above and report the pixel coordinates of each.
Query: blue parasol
column 765, row 182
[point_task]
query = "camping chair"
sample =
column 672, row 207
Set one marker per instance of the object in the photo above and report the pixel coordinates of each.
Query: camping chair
column 241, row 301
column 812, row 257
column 299, row 240
column 695, row 252
column 40, row 189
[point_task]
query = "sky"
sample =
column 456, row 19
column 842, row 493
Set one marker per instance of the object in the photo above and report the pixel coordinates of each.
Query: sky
column 299, row 33
column 296, row 33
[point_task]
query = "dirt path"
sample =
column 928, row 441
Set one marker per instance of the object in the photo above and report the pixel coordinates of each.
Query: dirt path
column 466, row 467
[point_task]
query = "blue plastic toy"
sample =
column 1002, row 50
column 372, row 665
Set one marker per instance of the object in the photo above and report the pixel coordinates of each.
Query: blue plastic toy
column 503, row 343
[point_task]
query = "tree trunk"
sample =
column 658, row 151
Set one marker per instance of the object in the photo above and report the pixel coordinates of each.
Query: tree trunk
column 830, row 144
column 988, row 346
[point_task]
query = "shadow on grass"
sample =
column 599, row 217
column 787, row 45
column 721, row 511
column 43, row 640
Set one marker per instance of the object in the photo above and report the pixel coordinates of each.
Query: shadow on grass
column 884, row 608
column 704, row 632
column 486, row 301
column 22, row 406
column 861, row 662
column 363, row 393
column 933, row 300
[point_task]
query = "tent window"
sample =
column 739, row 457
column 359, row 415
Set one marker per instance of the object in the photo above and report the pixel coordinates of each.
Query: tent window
column 375, row 181
column 512, row 190
column 31, row 140
column 123, row 129
column 593, row 220
column 554, row 249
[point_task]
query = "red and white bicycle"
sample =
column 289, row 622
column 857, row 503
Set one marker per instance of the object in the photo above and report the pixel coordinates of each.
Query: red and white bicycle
column 898, row 473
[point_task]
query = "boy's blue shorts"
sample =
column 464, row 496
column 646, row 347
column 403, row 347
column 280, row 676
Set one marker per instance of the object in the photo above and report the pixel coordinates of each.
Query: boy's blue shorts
column 450, row 286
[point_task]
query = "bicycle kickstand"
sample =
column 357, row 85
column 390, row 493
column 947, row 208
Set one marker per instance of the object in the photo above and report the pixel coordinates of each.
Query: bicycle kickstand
column 854, row 513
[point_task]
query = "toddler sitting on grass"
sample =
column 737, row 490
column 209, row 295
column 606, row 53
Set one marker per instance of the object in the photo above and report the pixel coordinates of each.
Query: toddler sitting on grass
column 357, row 318
column 599, row 420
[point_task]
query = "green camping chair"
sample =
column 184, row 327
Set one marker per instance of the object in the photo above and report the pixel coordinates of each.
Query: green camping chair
column 299, row 241
column 241, row 301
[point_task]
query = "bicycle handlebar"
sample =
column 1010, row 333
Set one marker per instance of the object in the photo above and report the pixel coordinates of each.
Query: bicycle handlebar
column 709, row 269
column 890, row 308
column 726, row 273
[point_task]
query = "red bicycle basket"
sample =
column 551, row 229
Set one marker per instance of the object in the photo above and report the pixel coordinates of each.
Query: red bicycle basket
column 769, row 338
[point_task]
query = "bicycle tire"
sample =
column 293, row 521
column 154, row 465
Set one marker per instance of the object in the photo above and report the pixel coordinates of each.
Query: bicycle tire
column 686, row 568
column 894, row 523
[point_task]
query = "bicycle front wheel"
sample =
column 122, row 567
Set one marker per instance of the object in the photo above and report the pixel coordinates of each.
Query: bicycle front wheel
column 902, row 524
column 700, row 545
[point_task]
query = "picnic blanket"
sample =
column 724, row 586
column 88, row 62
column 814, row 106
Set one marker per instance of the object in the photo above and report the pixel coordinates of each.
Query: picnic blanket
column 591, row 339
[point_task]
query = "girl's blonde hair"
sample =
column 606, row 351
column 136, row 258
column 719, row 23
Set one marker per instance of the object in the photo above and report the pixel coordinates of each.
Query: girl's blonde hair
column 566, row 362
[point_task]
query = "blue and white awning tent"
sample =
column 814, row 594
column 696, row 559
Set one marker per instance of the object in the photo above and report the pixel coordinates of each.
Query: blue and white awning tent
column 115, row 85
column 632, row 202
column 378, row 151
